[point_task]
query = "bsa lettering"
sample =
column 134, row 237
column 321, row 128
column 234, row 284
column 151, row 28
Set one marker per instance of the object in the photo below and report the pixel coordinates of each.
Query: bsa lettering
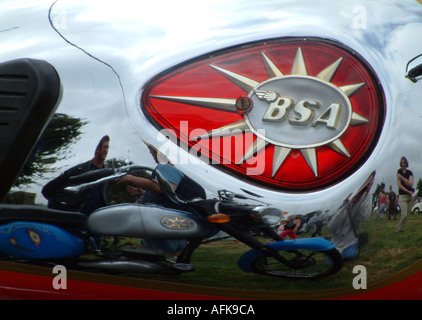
column 329, row 117
column 279, row 111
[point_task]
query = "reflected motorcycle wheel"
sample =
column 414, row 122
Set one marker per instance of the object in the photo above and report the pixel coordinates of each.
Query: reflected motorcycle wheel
column 307, row 264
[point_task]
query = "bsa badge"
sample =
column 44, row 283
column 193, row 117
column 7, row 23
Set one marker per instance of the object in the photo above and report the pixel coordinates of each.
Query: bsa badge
column 293, row 114
column 177, row 223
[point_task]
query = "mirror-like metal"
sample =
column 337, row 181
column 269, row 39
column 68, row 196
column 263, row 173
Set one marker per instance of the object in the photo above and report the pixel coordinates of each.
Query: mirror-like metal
column 106, row 54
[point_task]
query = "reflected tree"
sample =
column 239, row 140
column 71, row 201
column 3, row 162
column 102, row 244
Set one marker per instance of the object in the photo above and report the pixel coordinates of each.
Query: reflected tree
column 419, row 188
column 60, row 134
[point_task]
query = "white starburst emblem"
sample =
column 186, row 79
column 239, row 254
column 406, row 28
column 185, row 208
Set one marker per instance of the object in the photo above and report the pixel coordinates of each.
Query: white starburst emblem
column 289, row 111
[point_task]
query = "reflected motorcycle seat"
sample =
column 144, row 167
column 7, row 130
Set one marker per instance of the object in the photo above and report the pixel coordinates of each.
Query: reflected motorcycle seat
column 10, row 213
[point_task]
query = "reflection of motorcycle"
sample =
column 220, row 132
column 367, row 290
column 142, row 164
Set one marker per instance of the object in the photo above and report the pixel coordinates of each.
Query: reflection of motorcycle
column 415, row 72
column 41, row 234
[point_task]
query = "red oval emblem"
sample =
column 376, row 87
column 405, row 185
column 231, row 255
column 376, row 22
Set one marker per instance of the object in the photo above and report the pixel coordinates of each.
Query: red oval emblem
column 293, row 114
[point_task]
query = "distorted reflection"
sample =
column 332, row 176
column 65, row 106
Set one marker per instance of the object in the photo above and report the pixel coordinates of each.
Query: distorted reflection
column 153, row 194
column 87, row 201
column 346, row 223
column 106, row 55
column 60, row 134
column 414, row 69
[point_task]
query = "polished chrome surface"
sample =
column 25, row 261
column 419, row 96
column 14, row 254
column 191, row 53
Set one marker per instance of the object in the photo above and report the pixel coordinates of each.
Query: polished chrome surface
column 106, row 52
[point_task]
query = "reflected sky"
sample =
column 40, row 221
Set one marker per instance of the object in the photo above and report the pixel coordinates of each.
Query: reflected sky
column 105, row 52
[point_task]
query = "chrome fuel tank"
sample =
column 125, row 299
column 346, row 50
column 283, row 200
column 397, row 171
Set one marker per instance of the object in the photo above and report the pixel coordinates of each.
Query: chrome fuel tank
column 106, row 55
column 303, row 103
column 140, row 221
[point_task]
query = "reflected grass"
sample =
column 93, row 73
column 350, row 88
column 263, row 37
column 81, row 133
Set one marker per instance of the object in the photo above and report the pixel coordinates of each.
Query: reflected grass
column 385, row 254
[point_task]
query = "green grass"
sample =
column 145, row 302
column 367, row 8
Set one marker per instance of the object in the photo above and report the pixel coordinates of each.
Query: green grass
column 385, row 254
column 388, row 252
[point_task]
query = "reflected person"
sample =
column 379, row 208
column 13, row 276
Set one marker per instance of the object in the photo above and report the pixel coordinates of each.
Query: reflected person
column 392, row 204
column 290, row 227
column 405, row 183
column 346, row 223
column 85, row 201
column 183, row 185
